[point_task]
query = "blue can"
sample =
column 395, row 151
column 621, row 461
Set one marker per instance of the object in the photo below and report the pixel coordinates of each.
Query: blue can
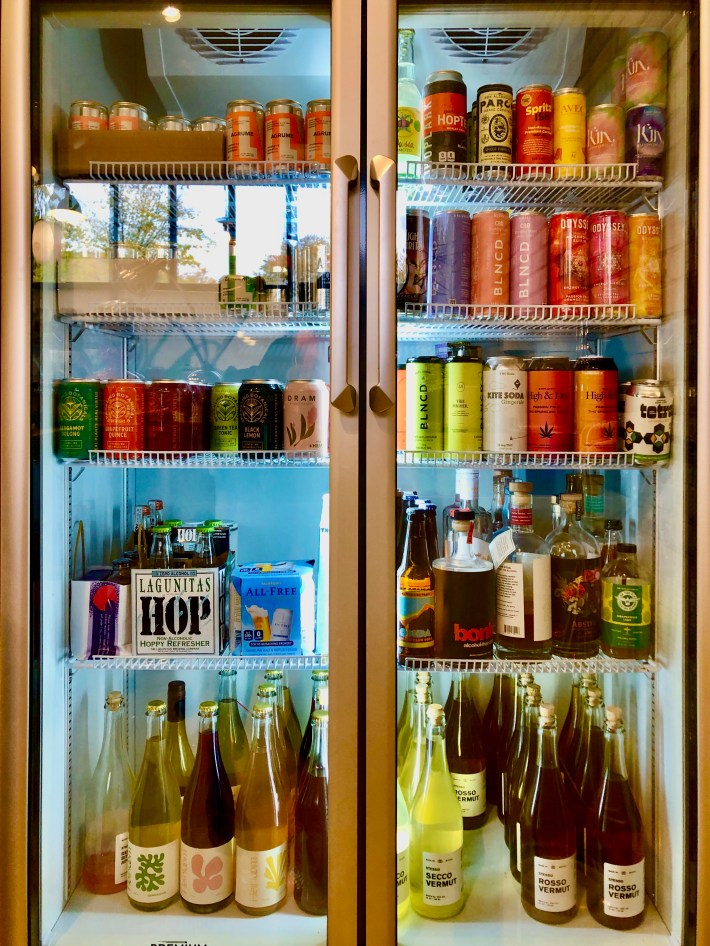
column 451, row 258
column 646, row 141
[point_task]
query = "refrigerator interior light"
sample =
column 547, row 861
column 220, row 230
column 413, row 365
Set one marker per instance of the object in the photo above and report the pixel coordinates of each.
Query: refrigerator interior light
column 171, row 14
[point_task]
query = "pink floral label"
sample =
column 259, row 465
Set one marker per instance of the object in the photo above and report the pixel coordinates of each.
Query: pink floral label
column 206, row 874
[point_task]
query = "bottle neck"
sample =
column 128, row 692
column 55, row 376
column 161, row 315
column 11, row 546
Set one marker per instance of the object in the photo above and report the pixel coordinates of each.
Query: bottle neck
column 176, row 708
column 112, row 742
column 521, row 518
column 228, row 685
column 614, row 757
column 547, row 747
column 417, row 552
column 318, row 756
column 155, row 742
column 420, row 721
column 436, row 750
column 262, row 739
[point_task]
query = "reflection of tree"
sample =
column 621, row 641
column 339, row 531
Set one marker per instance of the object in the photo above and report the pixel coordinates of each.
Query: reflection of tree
column 316, row 261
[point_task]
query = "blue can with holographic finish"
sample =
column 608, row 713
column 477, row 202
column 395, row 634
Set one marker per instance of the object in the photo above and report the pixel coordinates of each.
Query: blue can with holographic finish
column 451, row 258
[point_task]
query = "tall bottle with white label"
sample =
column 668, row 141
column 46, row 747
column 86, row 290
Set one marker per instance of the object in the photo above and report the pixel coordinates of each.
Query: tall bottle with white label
column 108, row 799
column 154, row 822
column 524, row 627
column 409, row 105
column 548, row 862
column 436, row 873
column 207, row 830
column 465, row 753
column 402, row 855
column 261, row 825
column 405, row 723
column 616, row 894
column 466, row 497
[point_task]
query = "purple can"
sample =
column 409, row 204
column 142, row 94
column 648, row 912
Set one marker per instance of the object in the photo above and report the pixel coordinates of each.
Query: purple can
column 528, row 258
column 451, row 258
column 646, row 140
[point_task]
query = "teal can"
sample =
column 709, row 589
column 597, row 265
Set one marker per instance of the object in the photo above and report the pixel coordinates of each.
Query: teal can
column 78, row 418
column 425, row 403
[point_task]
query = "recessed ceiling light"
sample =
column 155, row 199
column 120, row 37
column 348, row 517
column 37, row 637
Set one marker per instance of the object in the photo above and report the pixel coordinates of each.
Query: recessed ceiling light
column 171, row 14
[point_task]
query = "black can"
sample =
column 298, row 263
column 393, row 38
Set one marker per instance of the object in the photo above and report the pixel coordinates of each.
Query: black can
column 495, row 124
column 414, row 285
column 260, row 405
column 444, row 114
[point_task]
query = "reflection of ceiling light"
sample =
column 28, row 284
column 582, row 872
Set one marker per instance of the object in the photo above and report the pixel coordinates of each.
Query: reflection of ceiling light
column 68, row 211
column 171, row 14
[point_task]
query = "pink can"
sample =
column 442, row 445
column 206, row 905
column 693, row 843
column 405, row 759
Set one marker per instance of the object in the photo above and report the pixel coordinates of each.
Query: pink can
column 490, row 258
column 606, row 134
column 609, row 258
column 528, row 258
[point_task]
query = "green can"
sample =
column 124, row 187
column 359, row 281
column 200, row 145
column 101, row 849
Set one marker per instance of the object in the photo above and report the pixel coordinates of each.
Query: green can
column 425, row 403
column 463, row 393
column 224, row 416
column 78, row 404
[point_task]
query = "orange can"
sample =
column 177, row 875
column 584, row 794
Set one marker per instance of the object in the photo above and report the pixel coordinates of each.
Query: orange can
column 245, row 130
column 490, row 258
column 318, row 131
column 124, row 413
column 596, row 404
column 401, row 407
column 645, row 265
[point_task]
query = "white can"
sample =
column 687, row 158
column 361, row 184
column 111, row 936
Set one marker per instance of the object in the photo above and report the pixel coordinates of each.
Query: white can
column 646, row 420
column 505, row 409
column 306, row 406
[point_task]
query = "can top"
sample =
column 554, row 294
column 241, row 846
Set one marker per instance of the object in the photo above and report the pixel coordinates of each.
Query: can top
column 166, row 381
column 444, row 75
column 78, row 381
column 595, row 108
column 633, row 108
column 140, row 108
column 173, row 118
column 646, row 213
column 262, row 381
column 568, row 90
column 89, row 103
column 651, row 382
column 318, row 105
column 125, row 381
column 529, row 213
column 503, row 361
column 283, row 105
column 208, row 118
column 550, row 363
column 495, row 87
column 529, row 88
column 424, row 360
column 306, row 381
column 492, row 210
column 244, row 103
column 595, row 363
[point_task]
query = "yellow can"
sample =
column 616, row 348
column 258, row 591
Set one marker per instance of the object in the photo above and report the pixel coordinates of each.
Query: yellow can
column 569, row 130
column 645, row 265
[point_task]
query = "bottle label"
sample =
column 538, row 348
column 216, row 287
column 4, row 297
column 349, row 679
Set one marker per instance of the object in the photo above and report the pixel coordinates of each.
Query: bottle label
column 471, row 792
column 261, row 876
column 528, row 578
column 624, row 890
column 594, row 504
column 409, row 132
column 518, row 847
column 416, row 616
column 555, row 884
column 576, row 601
column 402, row 867
column 153, row 872
column 206, row 874
column 626, row 613
column 120, row 863
column 443, row 878
column 510, row 600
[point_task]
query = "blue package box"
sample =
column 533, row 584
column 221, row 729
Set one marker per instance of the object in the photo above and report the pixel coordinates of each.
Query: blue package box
column 276, row 606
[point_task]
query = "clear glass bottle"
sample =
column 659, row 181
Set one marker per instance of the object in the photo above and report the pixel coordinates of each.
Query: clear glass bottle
column 524, row 624
column 292, row 726
column 108, row 799
column 161, row 550
column 310, row 888
column 466, row 497
column 204, row 548
column 409, row 105
column 521, row 775
column 415, row 598
column 500, row 508
column 406, row 716
column 413, row 764
column 178, row 748
column 627, row 601
column 464, row 751
column 319, row 680
column 233, row 742
column 402, row 845
column 613, row 534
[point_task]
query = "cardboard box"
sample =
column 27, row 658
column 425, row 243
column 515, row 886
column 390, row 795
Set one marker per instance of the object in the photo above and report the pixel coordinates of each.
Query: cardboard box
column 276, row 607
column 100, row 616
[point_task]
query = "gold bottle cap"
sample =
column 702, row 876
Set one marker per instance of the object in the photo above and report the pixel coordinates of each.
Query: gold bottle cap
column 208, row 708
column 267, row 690
column 114, row 700
column 156, row 708
column 263, row 711
column 320, row 718
column 319, row 675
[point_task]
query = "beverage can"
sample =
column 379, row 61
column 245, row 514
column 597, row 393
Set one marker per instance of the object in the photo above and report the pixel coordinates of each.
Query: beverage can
column 312, row 275
column 495, row 124
column 124, row 415
column 505, row 420
column 79, row 413
column 261, row 415
column 425, row 403
column 569, row 129
column 490, row 258
column 646, row 80
column 85, row 115
column 608, row 258
column 451, row 258
column 550, row 405
column 645, row 265
column 596, row 383
column 283, row 131
column 647, row 420
column 605, row 134
column 318, row 131
column 224, row 409
column 401, row 407
column 568, row 271
column 444, row 118
column 174, row 416
column 209, row 123
column 646, row 141
column 306, row 407
column 534, row 142
column 618, row 80
column 413, row 286
column 174, row 123
column 472, row 133
column 465, row 610
column 463, row 388
column 127, row 116
column 245, row 130
column 528, row 258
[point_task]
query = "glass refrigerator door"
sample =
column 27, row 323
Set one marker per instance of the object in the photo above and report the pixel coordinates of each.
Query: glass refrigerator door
column 193, row 366
column 543, row 225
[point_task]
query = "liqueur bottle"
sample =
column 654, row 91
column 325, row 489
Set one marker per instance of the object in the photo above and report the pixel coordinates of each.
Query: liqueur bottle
column 415, row 759
column 616, row 894
column 108, row 799
column 436, row 875
column 154, row 822
column 233, row 742
column 319, row 679
column 521, row 776
column 293, row 732
column 310, row 889
column 402, row 855
column 178, row 749
column 500, row 509
column 415, row 598
column 464, row 752
column 548, row 863
column 409, row 105
column 626, row 607
column 207, row 829
column 261, row 825
column 496, row 721
column 613, row 534
column 406, row 717
column 466, row 497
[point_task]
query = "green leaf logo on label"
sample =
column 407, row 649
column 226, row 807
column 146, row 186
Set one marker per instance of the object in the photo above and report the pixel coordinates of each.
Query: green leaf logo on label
column 150, row 875
column 72, row 408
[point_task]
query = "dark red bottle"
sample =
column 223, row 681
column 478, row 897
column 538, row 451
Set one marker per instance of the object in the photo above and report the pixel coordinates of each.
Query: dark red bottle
column 496, row 720
column 310, row 888
column 464, row 752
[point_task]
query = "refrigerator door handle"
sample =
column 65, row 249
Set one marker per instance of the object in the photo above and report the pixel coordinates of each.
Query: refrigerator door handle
column 383, row 177
column 342, row 393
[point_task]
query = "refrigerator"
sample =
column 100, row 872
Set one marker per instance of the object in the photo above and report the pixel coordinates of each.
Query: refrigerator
column 110, row 297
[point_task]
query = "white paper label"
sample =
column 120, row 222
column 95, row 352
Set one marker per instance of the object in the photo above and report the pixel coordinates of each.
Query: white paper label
column 624, row 890
column 443, row 881
column 503, row 786
column 555, row 884
column 120, row 863
column 471, row 792
column 261, row 876
column 501, row 547
column 527, row 579
column 540, row 579
column 510, row 600
column 402, row 873
column 518, row 847
column 153, row 872
column 206, row 874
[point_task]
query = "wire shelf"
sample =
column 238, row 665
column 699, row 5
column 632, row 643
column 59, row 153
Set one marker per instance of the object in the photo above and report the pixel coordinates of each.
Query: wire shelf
column 225, row 662
column 262, row 173
column 598, row 664
column 203, row 459
column 447, row 459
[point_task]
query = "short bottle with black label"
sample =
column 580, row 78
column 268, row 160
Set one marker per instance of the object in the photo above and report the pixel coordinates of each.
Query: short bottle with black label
column 415, row 598
column 464, row 751
column 626, row 607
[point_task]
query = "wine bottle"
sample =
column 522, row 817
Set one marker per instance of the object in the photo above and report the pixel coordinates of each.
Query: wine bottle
column 292, row 726
column 464, row 752
column 571, row 720
column 233, row 742
column 415, row 759
column 522, row 774
column 568, row 759
column 495, row 722
column 207, row 829
column 403, row 833
column 310, row 889
column 154, row 822
column 509, row 744
column 179, row 750
column 319, row 678
column 267, row 693
column 590, row 763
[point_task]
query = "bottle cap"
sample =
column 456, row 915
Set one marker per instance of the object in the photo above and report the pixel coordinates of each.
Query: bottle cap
column 462, row 515
column 502, row 473
column 320, row 717
column 319, row 675
column 614, row 715
column 423, row 676
column 627, row 548
column 518, row 486
column 594, row 696
column 525, row 679
column 207, row 709
column 547, row 714
column 589, row 678
column 263, row 710
column 204, row 530
column 114, row 700
column 213, row 522
column 435, row 714
column 570, row 500
column 156, row 708
column 123, row 561
column 274, row 674
column 172, row 523
column 176, row 687
column 267, row 690
column 614, row 525
column 414, row 513
column 228, row 673
column 160, row 530
column 421, row 693
column 533, row 694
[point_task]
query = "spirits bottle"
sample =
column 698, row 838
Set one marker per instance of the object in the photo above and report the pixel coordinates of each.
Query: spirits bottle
column 466, row 498
column 409, row 105
column 500, row 509
column 548, row 865
column 514, row 747
column 402, row 855
column 626, row 607
column 464, row 752
column 261, row 824
column 179, row 751
column 405, row 722
column 524, row 626
column 310, row 889
column 415, row 598
column 319, row 680
column 568, row 758
column 613, row 534
column 616, row 894
column 436, row 874
column 415, row 759
column 233, row 742
column 154, row 822
column 293, row 732
column 496, row 722
column 207, row 828
column 108, row 799
column 521, row 776
column 593, row 504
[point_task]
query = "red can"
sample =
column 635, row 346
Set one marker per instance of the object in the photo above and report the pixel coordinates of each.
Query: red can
column 490, row 258
column 533, row 125
column 550, row 405
column 609, row 257
column 175, row 416
column 568, row 272
column 124, row 409
column 528, row 258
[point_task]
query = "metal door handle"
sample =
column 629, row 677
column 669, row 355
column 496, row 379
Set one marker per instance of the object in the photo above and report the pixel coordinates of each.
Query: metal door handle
column 383, row 177
column 342, row 393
